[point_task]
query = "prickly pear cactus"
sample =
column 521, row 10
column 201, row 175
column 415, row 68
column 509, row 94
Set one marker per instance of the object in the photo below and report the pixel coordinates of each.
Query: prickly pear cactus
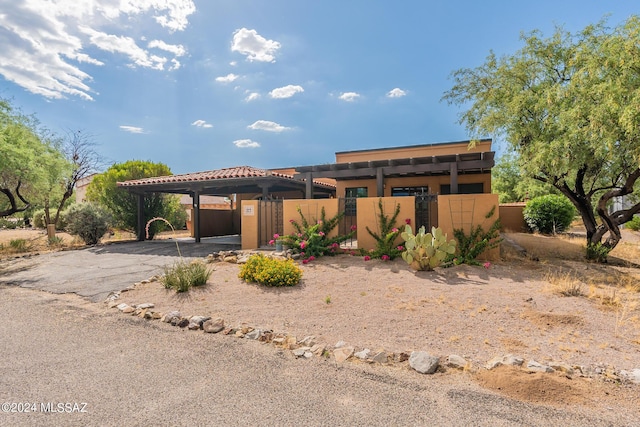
column 426, row 251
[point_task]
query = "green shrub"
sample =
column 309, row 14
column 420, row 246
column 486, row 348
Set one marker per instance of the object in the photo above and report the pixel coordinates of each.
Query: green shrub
column 311, row 239
column 426, row 251
column 11, row 225
column 183, row 275
column 19, row 245
column 88, row 221
column 38, row 219
column 478, row 241
column 634, row 224
column 55, row 241
column 386, row 246
column 549, row 214
column 270, row 272
column 597, row 252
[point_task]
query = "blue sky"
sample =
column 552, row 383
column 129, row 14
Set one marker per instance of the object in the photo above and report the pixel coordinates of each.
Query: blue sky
column 206, row 84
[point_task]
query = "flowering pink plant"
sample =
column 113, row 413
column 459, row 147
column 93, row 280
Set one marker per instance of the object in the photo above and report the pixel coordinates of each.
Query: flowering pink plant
column 407, row 221
column 385, row 257
column 367, row 258
column 487, row 265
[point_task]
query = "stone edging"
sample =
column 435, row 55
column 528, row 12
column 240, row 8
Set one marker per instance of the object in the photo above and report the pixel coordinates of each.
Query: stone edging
column 308, row 347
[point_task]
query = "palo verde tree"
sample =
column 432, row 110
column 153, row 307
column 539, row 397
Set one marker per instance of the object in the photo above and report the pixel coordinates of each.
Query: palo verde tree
column 122, row 204
column 569, row 106
column 25, row 160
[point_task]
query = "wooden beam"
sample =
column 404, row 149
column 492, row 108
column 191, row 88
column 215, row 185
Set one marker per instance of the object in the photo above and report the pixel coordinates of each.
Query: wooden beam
column 309, row 189
column 454, row 177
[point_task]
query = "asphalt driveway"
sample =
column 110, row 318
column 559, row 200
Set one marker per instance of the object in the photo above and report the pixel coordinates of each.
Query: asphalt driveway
column 95, row 272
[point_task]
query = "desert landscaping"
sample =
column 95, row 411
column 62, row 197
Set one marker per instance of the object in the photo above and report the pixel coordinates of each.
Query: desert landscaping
column 541, row 305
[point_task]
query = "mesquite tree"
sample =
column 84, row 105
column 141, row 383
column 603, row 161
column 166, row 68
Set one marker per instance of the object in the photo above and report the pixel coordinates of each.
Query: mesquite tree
column 569, row 106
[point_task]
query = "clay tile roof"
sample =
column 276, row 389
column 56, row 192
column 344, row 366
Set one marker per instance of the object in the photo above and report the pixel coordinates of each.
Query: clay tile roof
column 225, row 173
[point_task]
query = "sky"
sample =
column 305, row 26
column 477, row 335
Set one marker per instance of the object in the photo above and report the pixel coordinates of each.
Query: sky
column 208, row 84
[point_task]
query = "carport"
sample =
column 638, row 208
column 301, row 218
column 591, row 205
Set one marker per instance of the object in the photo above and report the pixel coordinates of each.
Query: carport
column 263, row 183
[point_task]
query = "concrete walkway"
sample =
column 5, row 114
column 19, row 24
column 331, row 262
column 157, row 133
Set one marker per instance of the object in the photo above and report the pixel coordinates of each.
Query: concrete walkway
column 95, row 272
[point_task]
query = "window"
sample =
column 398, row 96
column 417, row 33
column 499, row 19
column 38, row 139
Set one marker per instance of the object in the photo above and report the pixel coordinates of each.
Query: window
column 357, row 192
column 463, row 188
column 409, row 191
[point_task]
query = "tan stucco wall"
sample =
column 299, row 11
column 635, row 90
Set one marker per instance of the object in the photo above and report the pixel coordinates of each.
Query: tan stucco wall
column 511, row 217
column 249, row 215
column 433, row 182
column 415, row 151
column 311, row 209
column 466, row 211
column 368, row 213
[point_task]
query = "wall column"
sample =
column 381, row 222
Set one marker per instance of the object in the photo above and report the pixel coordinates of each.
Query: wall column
column 454, row 178
column 195, row 195
column 309, row 183
column 380, row 182
column 141, row 224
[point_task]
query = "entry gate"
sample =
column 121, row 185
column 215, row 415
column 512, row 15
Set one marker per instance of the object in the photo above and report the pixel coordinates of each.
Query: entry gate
column 426, row 211
column 270, row 220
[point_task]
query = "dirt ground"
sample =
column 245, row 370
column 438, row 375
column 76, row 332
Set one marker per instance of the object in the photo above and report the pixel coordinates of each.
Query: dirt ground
column 516, row 306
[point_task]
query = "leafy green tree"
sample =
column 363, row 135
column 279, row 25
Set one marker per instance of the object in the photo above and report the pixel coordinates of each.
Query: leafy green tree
column 512, row 185
column 122, row 204
column 29, row 163
column 569, row 106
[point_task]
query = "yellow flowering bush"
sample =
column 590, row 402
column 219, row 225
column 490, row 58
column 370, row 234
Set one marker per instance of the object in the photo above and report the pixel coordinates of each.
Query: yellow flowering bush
column 270, row 272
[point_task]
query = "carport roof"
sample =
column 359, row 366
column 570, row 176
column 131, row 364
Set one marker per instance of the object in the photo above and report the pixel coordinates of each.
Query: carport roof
column 239, row 179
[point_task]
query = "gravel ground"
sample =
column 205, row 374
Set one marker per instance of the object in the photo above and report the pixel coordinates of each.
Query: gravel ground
column 62, row 348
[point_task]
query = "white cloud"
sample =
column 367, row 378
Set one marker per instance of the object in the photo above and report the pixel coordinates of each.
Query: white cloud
column 176, row 49
column 45, row 43
column 226, row 79
column 246, row 143
column 132, row 129
column 286, row 91
column 268, row 126
column 349, row 96
column 396, row 93
column 252, row 96
column 254, row 46
column 201, row 124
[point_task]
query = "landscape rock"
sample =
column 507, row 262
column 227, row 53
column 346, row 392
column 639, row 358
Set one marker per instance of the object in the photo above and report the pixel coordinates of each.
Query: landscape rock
column 456, row 362
column 193, row 326
column 242, row 259
column 340, row 344
column 508, row 360
column 145, row 305
column 343, row 353
column 632, row 376
column 253, row 335
column 213, row 326
column 363, row 354
column 380, row 357
column 308, row 341
column 423, row 362
column 182, row 323
column 231, row 259
column 318, row 349
column 199, row 320
column 533, row 366
column 128, row 309
column 562, row 367
column 122, row 306
column 112, row 304
column 167, row 318
column 302, row 351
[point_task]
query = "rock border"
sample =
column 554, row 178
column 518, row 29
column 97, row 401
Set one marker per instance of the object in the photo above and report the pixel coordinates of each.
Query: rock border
column 308, row 347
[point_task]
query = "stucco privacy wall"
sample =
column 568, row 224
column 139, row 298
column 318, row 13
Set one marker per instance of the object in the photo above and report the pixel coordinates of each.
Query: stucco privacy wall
column 249, row 214
column 466, row 211
column 311, row 209
column 368, row 209
column 512, row 218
